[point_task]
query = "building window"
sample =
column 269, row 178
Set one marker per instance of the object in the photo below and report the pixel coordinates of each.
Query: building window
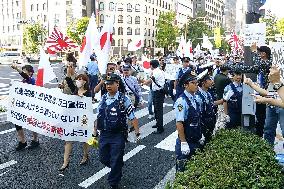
column 137, row 31
column 153, row 22
column 44, row 6
column 111, row 6
column 37, row 7
column 145, row 11
column 153, row 43
column 44, row 18
column 149, row 32
column 129, row 19
column 32, row 7
column 137, row 20
column 120, row 7
column 102, row 19
column 153, row 33
column 113, row 30
column 145, row 43
column 120, row 42
column 120, row 19
column 137, row 8
column 129, row 7
column 113, row 42
column 120, row 31
column 101, row 6
column 129, row 31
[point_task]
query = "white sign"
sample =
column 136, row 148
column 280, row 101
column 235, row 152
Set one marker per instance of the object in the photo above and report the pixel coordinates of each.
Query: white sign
column 255, row 33
column 277, row 51
column 50, row 112
column 171, row 70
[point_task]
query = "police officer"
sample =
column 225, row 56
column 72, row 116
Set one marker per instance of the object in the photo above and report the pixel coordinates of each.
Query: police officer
column 179, row 74
column 133, row 89
column 187, row 111
column 158, row 81
column 233, row 101
column 113, row 111
column 208, row 111
column 111, row 68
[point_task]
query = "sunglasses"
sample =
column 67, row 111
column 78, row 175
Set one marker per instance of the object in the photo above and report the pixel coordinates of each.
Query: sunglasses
column 112, row 69
column 125, row 70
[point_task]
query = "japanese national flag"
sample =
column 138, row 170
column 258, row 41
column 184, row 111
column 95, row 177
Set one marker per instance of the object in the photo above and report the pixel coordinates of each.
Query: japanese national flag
column 188, row 50
column 45, row 72
column 135, row 44
column 181, row 47
column 105, row 39
column 89, row 43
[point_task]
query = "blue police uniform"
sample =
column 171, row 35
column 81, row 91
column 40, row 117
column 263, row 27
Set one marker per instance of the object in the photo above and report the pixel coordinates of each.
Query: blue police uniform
column 208, row 113
column 112, row 122
column 187, row 111
column 93, row 71
column 179, row 74
column 234, row 104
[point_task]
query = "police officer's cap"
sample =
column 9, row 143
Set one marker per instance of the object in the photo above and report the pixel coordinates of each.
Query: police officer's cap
column 93, row 56
column 128, row 60
column 29, row 68
column 126, row 67
column 205, row 78
column 187, row 77
column 185, row 59
column 110, row 77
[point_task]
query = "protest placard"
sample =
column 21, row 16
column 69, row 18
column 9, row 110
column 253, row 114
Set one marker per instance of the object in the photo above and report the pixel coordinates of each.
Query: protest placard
column 50, row 112
column 277, row 51
column 171, row 70
column 255, row 33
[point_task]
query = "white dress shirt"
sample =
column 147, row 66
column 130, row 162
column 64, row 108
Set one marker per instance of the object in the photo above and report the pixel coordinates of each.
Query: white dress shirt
column 159, row 79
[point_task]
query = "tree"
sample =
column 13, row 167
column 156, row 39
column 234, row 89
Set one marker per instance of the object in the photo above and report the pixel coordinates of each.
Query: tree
column 195, row 28
column 166, row 30
column 280, row 26
column 34, row 35
column 271, row 26
column 77, row 30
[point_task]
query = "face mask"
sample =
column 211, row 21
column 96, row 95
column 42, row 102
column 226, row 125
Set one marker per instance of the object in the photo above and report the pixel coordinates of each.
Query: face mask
column 79, row 83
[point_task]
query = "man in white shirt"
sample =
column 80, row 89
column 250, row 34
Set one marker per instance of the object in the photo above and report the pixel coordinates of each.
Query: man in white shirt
column 158, row 81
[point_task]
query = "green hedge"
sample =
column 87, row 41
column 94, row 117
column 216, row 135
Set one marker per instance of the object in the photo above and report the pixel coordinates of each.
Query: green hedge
column 233, row 159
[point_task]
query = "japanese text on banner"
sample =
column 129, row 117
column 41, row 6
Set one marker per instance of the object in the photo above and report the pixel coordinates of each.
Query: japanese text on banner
column 50, row 112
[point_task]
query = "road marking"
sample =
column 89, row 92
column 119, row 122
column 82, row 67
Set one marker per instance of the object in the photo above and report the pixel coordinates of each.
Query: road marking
column 168, row 178
column 147, row 129
column 7, row 131
column 91, row 180
column 7, row 164
column 169, row 142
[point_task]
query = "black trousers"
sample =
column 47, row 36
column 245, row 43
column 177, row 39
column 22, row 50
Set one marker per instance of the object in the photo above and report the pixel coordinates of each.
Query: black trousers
column 158, row 100
column 260, row 116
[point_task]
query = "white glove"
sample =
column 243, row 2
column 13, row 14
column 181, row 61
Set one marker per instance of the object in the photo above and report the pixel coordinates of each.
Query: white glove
column 174, row 92
column 227, row 118
column 185, row 150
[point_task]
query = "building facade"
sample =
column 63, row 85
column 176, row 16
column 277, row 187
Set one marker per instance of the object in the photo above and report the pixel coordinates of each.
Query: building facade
column 230, row 15
column 12, row 11
column 184, row 11
column 133, row 19
column 213, row 11
column 50, row 13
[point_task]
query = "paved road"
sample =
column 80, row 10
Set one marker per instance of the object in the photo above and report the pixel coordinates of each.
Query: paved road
column 147, row 164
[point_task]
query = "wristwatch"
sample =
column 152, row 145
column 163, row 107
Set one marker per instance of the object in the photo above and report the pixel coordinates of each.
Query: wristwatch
column 277, row 86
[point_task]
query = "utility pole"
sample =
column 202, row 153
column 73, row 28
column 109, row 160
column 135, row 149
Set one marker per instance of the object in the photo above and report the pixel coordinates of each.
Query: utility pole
column 248, row 105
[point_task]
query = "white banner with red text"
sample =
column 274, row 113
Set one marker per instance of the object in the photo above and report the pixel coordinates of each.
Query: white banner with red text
column 50, row 112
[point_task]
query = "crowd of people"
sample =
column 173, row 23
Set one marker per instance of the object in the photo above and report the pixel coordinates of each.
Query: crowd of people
column 206, row 96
